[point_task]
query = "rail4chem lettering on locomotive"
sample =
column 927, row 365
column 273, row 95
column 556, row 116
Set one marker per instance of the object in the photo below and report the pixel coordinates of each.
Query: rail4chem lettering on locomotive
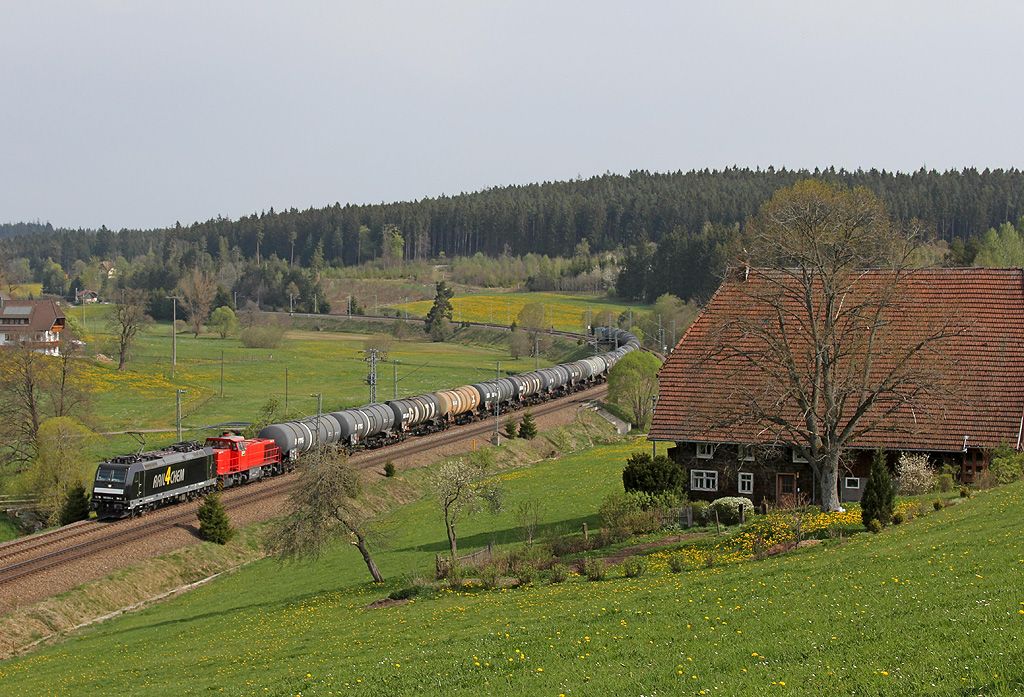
column 169, row 477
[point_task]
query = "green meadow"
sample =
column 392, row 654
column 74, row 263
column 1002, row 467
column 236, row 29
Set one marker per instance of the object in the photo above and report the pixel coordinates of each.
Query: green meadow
column 307, row 364
column 933, row 606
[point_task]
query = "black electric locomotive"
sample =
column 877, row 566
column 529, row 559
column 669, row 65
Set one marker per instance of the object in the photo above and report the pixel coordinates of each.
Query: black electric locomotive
column 132, row 484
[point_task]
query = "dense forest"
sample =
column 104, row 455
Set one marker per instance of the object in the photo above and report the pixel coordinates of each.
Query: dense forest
column 691, row 217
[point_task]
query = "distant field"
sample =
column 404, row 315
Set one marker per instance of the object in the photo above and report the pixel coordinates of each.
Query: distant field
column 564, row 311
column 933, row 606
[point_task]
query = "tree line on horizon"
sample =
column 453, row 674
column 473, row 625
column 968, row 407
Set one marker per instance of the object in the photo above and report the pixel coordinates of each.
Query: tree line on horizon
column 671, row 231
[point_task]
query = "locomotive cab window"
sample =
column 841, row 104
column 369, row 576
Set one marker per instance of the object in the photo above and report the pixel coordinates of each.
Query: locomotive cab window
column 109, row 475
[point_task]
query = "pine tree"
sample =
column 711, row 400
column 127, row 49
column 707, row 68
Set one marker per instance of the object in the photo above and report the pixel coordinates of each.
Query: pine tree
column 879, row 493
column 76, row 506
column 214, row 525
column 442, row 307
column 528, row 428
column 511, row 429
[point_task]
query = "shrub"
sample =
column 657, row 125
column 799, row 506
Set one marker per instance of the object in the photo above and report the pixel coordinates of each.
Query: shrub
column 937, row 504
column 558, row 573
column 594, row 569
column 879, row 493
column 214, row 525
column 710, row 558
column 898, row 518
column 728, row 509
column 76, row 506
column 652, row 475
column 874, row 526
column 561, row 544
column 406, row 593
column 914, row 474
column 268, row 337
column 389, row 469
column 1006, row 465
column 697, row 509
column 489, row 576
column 676, row 563
column 630, row 514
column 526, row 573
column 633, row 567
column 944, row 482
column 965, row 493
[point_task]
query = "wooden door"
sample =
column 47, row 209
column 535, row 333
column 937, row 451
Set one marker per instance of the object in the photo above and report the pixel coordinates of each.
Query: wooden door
column 785, row 489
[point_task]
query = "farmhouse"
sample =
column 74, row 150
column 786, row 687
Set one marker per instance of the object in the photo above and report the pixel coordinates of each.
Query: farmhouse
column 36, row 323
column 955, row 399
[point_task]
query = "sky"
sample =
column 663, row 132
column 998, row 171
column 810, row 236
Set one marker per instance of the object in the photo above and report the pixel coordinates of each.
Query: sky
column 140, row 114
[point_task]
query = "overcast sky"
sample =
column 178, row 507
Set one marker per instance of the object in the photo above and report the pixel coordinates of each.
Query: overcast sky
column 138, row 114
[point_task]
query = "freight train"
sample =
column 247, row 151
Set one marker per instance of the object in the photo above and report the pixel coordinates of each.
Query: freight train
column 129, row 485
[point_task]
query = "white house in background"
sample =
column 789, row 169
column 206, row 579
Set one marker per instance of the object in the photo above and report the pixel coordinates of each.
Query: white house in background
column 37, row 323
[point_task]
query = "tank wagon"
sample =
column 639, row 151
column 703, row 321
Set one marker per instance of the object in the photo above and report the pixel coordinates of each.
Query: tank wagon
column 129, row 485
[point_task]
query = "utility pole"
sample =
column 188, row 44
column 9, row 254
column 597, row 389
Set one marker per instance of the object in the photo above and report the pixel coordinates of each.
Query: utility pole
column 375, row 313
column 536, row 352
column 291, row 302
column 348, row 307
column 174, row 331
column 222, row 372
column 497, row 399
column 395, row 379
column 316, row 307
column 407, row 307
column 319, row 408
column 286, row 390
column 178, row 410
column 371, row 379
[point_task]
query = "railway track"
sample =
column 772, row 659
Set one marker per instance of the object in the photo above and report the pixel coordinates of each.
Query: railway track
column 41, row 555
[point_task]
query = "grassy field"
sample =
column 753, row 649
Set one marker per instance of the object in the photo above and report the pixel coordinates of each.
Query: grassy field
column 564, row 311
column 311, row 362
column 933, row 606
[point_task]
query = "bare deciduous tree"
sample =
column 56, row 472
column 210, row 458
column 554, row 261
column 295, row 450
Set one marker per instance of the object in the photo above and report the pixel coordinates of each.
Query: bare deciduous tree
column 128, row 319
column 198, row 290
column 814, row 347
column 323, row 505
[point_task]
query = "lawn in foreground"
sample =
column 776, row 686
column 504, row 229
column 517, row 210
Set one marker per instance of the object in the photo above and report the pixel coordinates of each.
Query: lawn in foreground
column 934, row 606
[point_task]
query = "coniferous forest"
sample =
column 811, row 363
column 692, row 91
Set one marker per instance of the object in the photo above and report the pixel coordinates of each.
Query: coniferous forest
column 691, row 217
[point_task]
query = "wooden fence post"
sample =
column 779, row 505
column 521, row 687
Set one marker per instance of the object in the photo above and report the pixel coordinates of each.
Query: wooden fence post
column 689, row 517
column 586, row 533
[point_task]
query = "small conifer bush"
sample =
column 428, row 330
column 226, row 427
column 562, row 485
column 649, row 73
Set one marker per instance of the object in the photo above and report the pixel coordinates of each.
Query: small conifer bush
column 879, row 493
column 389, row 469
column 898, row 518
column 214, row 525
column 874, row 526
column 76, row 506
column 558, row 573
column 937, row 504
column 965, row 493
column 528, row 427
column 676, row 563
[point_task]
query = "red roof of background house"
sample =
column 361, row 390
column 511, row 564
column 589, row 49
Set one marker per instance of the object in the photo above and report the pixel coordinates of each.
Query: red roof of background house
column 978, row 402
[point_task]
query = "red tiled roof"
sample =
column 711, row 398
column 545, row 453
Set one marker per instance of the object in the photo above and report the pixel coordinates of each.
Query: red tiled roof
column 965, row 388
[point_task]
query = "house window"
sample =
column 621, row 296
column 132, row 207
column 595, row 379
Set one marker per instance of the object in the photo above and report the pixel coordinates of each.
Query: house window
column 705, row 450
column 746, row 482
column 797, row 457
column 703, row 480
column 852, row 483
column 746, row 453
